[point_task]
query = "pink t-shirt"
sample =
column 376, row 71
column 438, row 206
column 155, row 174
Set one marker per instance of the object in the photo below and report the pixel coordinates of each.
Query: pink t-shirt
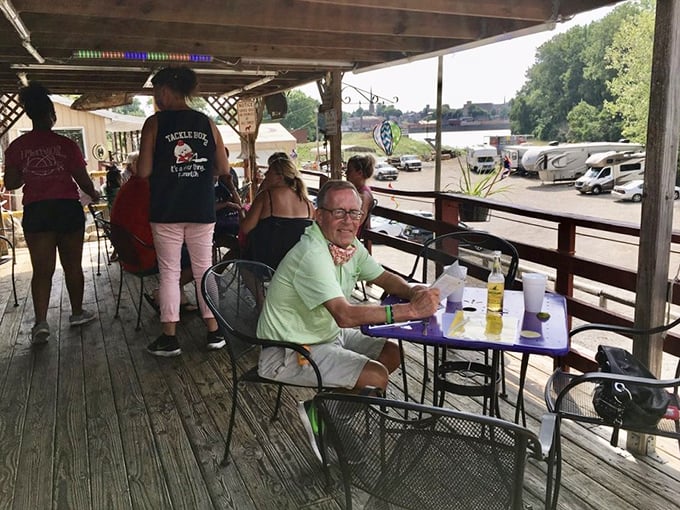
column 47, row 161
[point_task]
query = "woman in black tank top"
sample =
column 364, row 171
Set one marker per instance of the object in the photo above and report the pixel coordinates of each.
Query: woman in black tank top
column 279, row 214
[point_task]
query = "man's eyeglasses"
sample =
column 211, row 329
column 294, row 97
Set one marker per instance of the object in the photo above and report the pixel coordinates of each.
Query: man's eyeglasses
column 340, row 214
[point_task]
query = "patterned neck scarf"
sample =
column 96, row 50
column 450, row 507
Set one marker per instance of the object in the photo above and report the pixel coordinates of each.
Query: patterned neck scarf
column 341, row 255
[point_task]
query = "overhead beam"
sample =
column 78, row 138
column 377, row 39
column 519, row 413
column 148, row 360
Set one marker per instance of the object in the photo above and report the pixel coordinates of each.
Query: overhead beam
column 117, row 29
column 269, row 15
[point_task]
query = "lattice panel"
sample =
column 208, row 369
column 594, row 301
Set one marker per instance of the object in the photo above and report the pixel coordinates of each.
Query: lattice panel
column 225, row 108
column 10, row 111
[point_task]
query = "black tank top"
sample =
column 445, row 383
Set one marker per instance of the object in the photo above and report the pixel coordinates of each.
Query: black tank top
column 181, row 182
column 274, row 236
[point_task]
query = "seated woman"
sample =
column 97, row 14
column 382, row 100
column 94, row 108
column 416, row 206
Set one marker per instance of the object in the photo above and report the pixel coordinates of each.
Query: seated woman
column 359, row 169
column 279, row 214
column 131, row 211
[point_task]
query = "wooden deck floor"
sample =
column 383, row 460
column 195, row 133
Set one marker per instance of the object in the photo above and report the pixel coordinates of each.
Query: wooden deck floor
column 91, row 421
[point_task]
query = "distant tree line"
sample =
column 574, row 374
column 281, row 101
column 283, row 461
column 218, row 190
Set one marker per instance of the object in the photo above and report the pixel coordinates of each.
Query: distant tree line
column 592, row 82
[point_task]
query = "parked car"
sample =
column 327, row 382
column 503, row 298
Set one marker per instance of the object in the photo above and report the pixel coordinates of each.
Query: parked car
column 417, row 234
column 385, row 172
column 408, row 162
column 386, row 226
column 633, row 191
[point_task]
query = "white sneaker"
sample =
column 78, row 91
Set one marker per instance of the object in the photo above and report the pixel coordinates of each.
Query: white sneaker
column 82, row 318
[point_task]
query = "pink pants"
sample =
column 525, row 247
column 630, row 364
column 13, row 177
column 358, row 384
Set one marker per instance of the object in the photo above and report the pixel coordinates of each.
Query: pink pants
column 167, row 240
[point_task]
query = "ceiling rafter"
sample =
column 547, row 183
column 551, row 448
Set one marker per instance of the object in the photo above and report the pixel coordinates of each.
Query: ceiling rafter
column 297, row 40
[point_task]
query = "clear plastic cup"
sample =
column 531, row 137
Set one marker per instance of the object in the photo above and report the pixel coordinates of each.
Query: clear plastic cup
column 533, row 285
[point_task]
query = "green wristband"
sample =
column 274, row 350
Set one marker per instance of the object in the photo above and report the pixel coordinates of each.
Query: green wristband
column 389, row 319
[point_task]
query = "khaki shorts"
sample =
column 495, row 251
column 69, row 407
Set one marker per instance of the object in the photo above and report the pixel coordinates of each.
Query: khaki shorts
column 340, row 362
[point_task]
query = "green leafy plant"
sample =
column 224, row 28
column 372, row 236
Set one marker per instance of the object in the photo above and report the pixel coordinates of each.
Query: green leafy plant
column 487, row 185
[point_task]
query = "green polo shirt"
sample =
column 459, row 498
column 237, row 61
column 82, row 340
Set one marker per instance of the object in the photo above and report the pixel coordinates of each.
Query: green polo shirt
column 305, row 279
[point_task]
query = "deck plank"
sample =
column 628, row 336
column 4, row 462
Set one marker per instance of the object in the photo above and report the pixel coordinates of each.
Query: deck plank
column 34, row 480
column 145, row 477
column 72, row 488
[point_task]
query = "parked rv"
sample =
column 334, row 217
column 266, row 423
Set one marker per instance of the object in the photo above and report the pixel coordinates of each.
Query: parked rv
column 566, row 162
column 481, row 158
column 608, row 169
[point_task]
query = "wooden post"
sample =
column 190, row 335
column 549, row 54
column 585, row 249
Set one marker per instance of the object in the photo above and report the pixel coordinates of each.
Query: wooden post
column 335, row 140
column 438, row 136
column 657, row 206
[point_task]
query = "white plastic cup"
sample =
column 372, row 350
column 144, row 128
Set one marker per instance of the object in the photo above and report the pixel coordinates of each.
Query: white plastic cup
column 533, row 285
column 457, row 295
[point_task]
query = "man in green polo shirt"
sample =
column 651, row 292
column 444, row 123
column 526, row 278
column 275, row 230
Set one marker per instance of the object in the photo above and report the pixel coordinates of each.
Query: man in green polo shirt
column 308, row 303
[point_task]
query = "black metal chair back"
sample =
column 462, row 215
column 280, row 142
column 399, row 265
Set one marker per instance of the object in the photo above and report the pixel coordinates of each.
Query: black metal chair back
column 474, row 250
column 443, row 459
column 128, row 247
column 471, row 248
column 102, row 237
column 235, row 291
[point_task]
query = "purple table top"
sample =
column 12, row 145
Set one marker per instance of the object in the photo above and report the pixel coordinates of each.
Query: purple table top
column 549, row 337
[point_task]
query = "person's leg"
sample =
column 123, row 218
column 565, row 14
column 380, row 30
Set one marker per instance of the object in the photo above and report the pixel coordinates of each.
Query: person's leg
column 390, row 356
column 185, row 276
column 198, row 237
column 383, row 357
column 70, row 248
column 42, row 248
column 168, row 239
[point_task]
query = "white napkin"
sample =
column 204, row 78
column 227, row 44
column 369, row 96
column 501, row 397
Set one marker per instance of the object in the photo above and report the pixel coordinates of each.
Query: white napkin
column 450, row 280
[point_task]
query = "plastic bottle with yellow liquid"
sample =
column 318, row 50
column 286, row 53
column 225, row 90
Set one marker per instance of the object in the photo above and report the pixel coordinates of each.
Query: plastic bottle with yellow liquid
column 495, row 285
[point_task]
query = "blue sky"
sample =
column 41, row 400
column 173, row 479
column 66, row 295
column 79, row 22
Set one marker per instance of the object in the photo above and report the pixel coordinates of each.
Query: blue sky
column 492, row 73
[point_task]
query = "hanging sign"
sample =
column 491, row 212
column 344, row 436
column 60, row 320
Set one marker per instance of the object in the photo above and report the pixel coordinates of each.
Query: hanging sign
column 247, row 116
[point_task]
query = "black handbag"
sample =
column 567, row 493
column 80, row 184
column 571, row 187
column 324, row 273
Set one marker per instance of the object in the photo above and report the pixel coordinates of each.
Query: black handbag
column 627, row 405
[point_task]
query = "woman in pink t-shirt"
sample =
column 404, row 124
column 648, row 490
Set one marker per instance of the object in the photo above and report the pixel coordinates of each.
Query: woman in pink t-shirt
column 48, row 166
column 359, row 170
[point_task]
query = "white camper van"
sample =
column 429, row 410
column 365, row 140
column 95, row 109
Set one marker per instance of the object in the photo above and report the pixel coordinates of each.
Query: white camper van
column 607, row 169
column 481, row 158
column 565, row 162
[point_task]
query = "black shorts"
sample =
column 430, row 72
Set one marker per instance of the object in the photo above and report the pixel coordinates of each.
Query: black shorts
column 63, row 216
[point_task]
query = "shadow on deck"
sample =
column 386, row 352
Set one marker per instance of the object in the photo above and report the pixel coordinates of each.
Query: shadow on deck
column 90, row 420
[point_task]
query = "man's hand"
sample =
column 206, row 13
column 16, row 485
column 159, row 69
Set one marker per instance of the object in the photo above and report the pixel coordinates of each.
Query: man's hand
column 424, row 301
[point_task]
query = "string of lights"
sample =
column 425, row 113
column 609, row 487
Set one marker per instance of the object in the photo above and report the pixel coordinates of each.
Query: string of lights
column 141, row 55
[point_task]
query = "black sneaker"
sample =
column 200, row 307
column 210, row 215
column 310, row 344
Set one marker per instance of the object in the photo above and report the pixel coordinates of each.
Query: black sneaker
column 215, row 340
column 165, row 346
column 312, row 425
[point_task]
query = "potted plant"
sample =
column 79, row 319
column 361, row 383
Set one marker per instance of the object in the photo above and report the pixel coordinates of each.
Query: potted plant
column 481, row 187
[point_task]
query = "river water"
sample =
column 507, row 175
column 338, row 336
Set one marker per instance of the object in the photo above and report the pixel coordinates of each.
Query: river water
column 461, row 138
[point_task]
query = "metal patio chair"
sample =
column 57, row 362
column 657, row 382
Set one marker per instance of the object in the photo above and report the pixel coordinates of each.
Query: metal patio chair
column 569, row 396
column 444, row 459
column 235, row 290
column 10, row 258
column 472, row 249
column 128, row 246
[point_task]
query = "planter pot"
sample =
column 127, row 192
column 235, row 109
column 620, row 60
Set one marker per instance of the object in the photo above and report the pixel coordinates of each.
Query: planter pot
column 472, row 213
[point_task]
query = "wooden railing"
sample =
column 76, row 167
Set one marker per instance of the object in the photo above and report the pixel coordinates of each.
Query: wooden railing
column 561, row 254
